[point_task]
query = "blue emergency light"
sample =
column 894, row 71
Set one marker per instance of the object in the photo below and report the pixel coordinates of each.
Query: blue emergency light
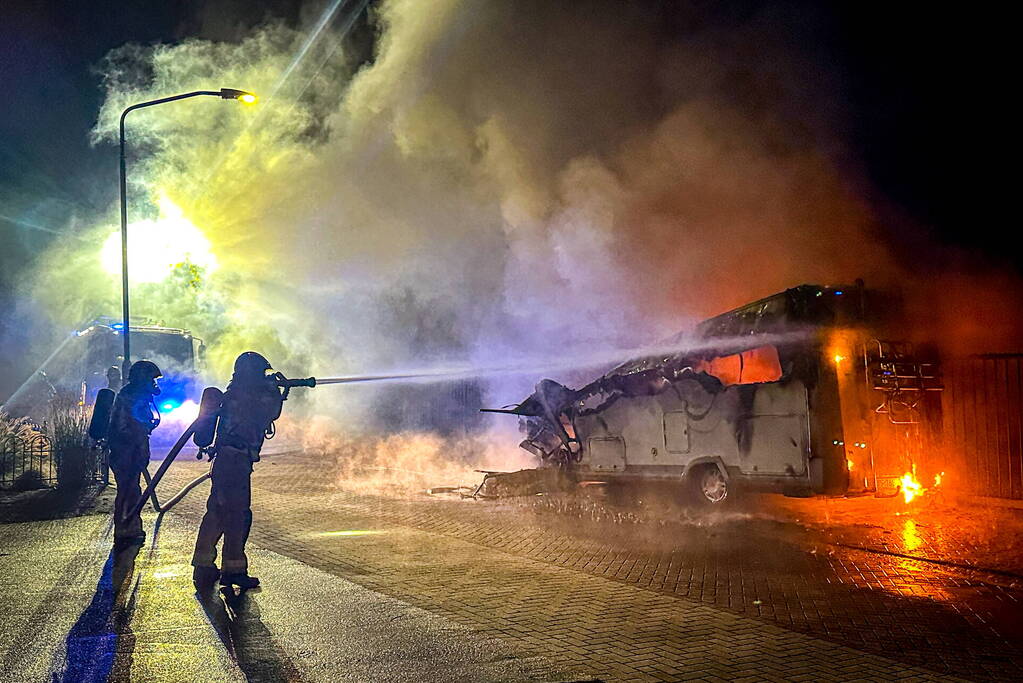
column 169, row 406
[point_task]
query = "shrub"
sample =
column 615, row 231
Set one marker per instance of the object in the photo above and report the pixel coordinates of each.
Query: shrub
column 29, row 480
column 68, row 431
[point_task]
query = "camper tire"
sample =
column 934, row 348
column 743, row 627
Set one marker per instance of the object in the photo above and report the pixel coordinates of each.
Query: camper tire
column 708, row 487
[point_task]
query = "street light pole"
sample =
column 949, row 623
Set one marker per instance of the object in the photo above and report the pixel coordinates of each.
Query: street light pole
column 223, row 93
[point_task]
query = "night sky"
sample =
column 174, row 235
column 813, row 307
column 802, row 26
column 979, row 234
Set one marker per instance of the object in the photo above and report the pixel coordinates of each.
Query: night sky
column 921, row 92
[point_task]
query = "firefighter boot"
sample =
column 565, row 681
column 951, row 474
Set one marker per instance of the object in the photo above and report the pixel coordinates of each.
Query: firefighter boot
column 204, row 577
column 240, row 579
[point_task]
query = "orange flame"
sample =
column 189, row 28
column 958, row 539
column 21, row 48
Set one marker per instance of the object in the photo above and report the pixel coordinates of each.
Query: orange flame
column 911, row 486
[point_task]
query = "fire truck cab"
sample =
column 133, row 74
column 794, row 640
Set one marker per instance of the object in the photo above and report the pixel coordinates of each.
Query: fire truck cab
column 79, row 364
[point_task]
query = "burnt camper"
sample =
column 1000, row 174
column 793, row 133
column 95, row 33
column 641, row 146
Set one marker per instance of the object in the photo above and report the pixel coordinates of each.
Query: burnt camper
column 804, row 392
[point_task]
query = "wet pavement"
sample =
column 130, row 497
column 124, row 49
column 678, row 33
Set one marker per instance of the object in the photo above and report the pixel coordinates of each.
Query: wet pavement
column 76, row 613
column 544, row 588
column 912, row 586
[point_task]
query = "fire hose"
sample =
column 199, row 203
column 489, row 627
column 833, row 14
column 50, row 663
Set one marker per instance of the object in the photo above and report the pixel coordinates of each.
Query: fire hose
column 202, row 430
column 152, row 481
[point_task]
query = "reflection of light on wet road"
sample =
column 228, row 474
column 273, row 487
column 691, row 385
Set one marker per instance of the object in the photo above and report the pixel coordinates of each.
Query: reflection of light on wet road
column 903, row 564
column 910, row 541
column 166, row 574
column 928, row 574
column 350, row 532
column 910, row 536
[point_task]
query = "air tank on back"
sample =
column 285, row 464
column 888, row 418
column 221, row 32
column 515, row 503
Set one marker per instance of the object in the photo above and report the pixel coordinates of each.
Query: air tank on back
column 206, row 423
column 99, row 425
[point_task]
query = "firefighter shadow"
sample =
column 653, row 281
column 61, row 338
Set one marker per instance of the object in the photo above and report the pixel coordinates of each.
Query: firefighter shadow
column 236, row 619
column 155, row 536
column 101, row 645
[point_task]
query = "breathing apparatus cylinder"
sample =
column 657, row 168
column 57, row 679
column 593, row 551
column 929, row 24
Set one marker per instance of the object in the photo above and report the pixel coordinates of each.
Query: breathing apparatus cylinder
column 99, row 425
column 205, row 424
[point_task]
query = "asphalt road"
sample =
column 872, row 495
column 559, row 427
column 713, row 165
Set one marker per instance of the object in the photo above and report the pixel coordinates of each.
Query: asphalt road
column 73, row 613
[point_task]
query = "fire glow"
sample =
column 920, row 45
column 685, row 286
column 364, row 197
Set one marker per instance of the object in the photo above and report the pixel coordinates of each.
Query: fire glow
column 911, row 487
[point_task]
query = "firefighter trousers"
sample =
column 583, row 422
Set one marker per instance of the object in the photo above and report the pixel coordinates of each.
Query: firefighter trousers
column 228, row 512
column 129, row 493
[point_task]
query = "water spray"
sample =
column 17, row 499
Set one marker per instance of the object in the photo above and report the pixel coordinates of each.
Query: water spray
column 602, row 359
column 357, row 379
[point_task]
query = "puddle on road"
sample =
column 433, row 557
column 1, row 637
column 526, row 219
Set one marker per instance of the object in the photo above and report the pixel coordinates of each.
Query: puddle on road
column 348, row 533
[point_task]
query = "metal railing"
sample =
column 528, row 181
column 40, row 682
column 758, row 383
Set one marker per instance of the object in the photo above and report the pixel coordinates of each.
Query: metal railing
column 20, row 455
column 30, row 462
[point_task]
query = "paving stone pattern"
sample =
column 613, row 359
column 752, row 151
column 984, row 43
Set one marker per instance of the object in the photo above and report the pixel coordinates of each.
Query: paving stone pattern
column 627, row 599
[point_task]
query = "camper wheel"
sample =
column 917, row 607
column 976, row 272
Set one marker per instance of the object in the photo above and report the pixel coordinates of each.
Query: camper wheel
column 708, row 487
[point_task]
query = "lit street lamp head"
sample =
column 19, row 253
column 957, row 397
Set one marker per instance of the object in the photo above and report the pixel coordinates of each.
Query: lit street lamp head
column 242, row 95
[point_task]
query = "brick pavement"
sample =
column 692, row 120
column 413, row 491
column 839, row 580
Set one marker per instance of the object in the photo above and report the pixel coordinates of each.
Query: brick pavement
column 940, row 527
column 637, row 600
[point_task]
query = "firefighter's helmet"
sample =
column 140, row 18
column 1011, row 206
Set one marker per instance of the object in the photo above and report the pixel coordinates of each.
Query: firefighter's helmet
column 143, row 372
column 251, row 366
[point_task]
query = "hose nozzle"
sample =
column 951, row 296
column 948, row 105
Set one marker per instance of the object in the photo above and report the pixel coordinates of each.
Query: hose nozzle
column 286, row 383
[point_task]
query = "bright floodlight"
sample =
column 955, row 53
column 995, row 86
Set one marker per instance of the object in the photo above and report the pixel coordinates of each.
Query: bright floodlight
column 233, row 94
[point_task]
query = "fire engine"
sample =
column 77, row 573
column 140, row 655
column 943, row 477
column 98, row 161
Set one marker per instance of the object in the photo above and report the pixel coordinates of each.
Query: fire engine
column 79, row 365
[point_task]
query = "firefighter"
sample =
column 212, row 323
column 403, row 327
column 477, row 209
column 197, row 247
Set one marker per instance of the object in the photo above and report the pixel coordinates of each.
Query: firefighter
column 133, row 418
column 251, row 403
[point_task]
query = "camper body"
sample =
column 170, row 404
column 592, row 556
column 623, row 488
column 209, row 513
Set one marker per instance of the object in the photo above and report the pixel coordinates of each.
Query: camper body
column 795, row 393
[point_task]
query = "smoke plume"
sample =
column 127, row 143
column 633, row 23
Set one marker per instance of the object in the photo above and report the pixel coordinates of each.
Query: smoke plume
column 529, row 179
